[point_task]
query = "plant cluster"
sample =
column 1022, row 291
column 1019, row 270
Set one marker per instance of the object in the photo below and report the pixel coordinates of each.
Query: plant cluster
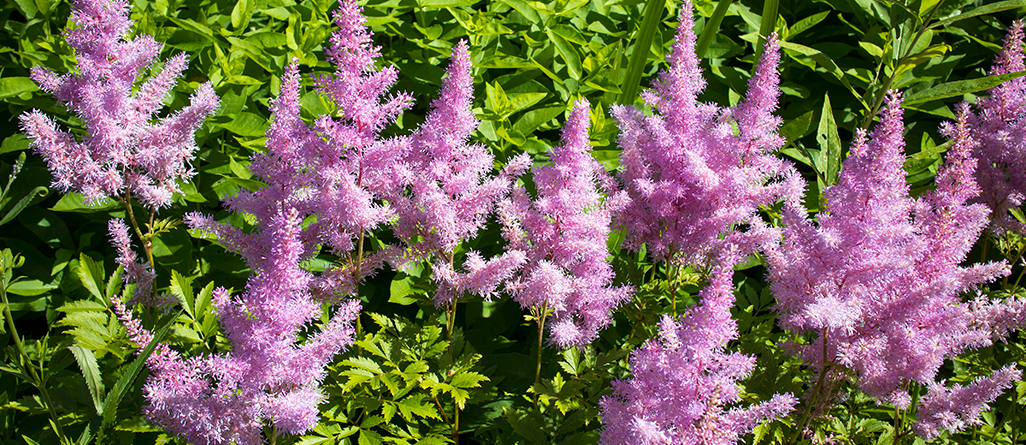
column 827, row 297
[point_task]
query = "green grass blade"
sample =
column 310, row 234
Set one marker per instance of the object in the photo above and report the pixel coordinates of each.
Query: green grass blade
column 712, row 26
column 642, row 44
column 769, row 23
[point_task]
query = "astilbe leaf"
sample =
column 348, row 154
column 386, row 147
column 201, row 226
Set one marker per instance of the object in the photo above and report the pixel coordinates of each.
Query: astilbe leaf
column 126, row 149
column 878, row 277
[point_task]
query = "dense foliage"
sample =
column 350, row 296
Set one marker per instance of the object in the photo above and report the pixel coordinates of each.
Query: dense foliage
column 460, row 221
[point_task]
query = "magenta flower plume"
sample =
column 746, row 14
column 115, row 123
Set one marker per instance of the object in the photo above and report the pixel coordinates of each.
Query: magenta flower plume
column 271, row 375
column 127, row 150
column 447, row 193
column 339, row 169
column 999, row 126
column 692, row 179
column 683, row 383
column 879, row 278
column 563, row 234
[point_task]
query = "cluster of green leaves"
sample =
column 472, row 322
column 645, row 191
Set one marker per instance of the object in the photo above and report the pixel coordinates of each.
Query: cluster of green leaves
column 414, row 375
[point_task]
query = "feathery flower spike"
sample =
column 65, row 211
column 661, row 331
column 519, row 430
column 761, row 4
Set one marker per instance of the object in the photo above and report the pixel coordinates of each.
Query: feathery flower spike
column 563, row 235
column 879, row 277
column 126, row 149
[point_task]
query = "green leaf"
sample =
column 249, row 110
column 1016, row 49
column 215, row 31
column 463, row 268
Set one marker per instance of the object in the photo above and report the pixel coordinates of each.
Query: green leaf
column 982, row 10
column 959, row 87
column 533, row 119
column 416, row 405
column 246, row 124
column 91, row 372
column 181, row 287
column 14, row 142
column 241, row 14
column 467, row 379
column 806, row 23
column 712, row 27
column 30, row 288
column 15, row 86
column 91, row 274
column 122, row 386
column 568, row 53
column 75, row 202
column 825, row 62
column 439, row 4
column 363, row 363
column 829, row 159
column 526, row 426
column 525, row 9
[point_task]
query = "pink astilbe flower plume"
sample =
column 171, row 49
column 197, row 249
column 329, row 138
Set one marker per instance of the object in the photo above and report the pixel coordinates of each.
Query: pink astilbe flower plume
column 127, row 150
column 692, row 178
column 999, row 126
column 683, row 384
column 563, row 234
column 879, row 277
column 447, row 194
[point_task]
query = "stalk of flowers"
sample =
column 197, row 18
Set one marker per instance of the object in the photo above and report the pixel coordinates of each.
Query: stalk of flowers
column 127, row 151
column 693, row 179
column 447, row 193
column 567, row 280
column 683, row 382
column 998, row 126
column 879, row 277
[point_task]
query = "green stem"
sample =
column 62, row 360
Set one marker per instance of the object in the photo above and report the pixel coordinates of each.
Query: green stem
column 807, row 415
column 35, row 379
column 541, row 333
column 890, row 79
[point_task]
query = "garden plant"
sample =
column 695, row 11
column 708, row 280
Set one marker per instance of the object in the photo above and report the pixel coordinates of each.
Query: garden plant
column 513, row 222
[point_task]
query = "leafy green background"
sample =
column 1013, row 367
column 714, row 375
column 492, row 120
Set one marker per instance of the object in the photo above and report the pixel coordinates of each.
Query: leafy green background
column 400, row 383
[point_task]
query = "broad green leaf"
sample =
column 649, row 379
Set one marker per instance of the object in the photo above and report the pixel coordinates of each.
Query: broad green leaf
column 416, row 405
column 959, row 87
column 400, row 291
column 15, row 86
column 241, row 14
column 75, row 202
column 30, row 288
column 14, row 142
column 829, row 159
column 439, row 4
column 497, row 101
column 568, row 53
column 526, row 426
column 533, row 119
column 525, row 9
column 982, row 10
column 91, row 372
column 246, row 124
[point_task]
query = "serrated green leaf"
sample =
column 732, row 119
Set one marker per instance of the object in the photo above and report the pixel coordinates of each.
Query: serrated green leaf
column 416, row 405
column 181, row 287
column 91, row 274
column 467, row 379
column 363, row 363
column 91, row 372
